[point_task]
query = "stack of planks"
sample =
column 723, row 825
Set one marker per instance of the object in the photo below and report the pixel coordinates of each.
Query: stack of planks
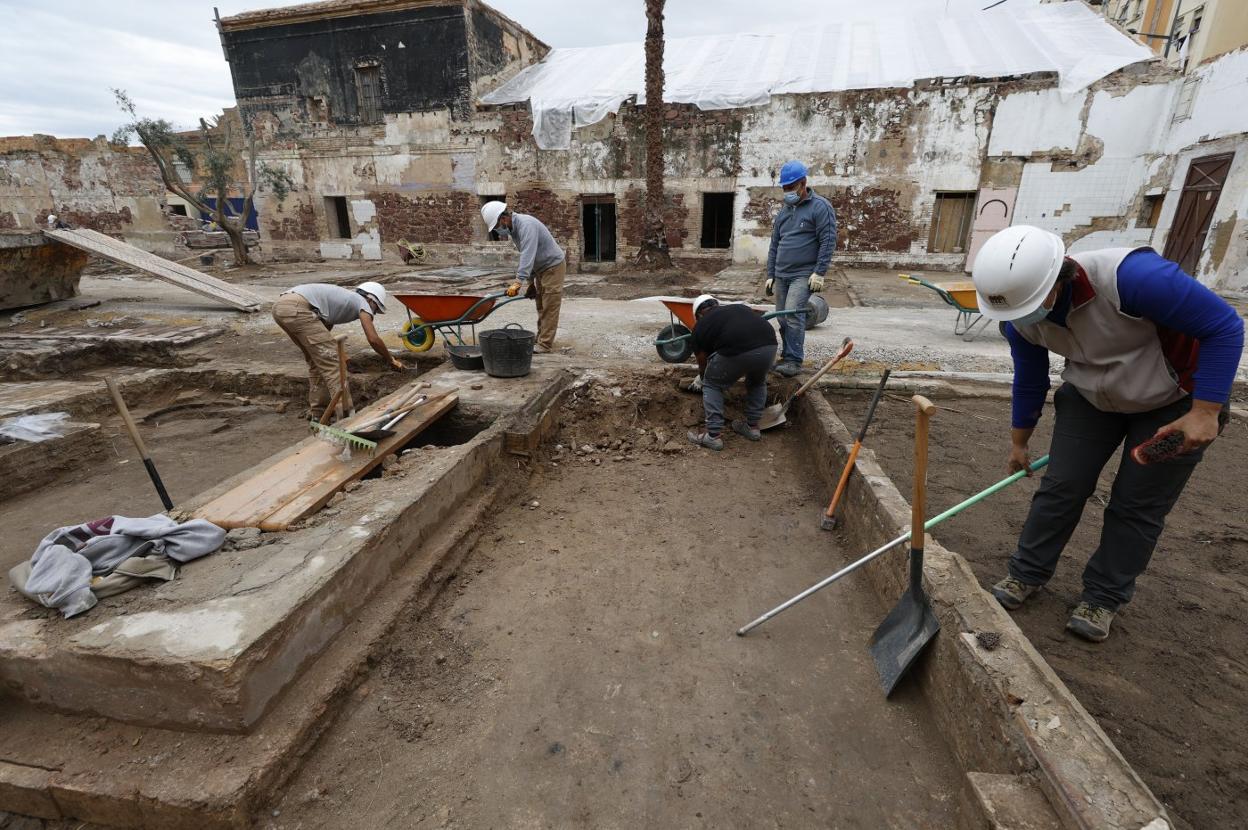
column 303, row 481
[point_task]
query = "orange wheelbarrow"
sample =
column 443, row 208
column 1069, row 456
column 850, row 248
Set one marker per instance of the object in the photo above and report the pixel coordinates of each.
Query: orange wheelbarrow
column 961, row 297
column 448, row 313
column 675, row 341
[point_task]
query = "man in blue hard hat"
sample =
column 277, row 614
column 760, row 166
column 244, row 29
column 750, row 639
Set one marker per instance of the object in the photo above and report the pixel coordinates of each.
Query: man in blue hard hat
column 803, row 238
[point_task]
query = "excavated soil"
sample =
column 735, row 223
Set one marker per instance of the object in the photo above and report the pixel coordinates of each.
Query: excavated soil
column 581, row 669
column 1170, row 686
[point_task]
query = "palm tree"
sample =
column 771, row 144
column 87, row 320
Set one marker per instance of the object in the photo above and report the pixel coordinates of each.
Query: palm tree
column 653, row 252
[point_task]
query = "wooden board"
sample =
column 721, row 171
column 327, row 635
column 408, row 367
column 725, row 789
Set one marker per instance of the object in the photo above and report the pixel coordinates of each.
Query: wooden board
column 302, row 482
column 101, row 245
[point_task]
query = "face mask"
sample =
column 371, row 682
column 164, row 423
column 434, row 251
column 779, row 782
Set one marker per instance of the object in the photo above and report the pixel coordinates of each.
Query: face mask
column 792, row 197
column 1032, row 318
column 503, row 233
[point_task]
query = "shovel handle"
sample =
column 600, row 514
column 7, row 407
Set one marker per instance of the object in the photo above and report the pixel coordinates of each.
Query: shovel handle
column 847, row 346
column 124, row 412
column 924, row 410
column 343, row 383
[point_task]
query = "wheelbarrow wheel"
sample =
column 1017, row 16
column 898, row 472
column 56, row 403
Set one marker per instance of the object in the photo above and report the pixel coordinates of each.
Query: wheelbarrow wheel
column 678, row 351
column 416, row 336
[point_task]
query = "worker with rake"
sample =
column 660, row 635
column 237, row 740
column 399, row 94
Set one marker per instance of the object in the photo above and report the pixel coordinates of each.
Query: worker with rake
column 1151, row 355
column 307, row 313
column 731, row 342
column 542, row 265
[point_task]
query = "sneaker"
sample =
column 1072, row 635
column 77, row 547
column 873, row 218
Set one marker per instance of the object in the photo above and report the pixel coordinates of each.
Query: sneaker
column 540, row 349
column 787, row 369
column 711, row 442
column 1011, row 592
column 1091, row 622
column 740, row 427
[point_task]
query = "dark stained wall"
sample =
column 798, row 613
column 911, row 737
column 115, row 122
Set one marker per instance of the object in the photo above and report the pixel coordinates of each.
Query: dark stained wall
column 422, row 54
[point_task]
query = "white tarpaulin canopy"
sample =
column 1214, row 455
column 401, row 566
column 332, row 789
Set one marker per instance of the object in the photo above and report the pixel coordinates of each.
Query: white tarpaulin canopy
column 577, row 87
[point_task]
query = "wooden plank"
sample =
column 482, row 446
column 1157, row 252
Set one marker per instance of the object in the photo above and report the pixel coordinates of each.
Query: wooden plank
column 166, row 269
column 302, row 482
column 97, row 243
column 318, row 495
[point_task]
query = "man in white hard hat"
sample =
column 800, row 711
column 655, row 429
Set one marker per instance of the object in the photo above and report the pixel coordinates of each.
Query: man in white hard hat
column 1149, row 352
column 307, row 313
column 731, row 341
column 542, row 266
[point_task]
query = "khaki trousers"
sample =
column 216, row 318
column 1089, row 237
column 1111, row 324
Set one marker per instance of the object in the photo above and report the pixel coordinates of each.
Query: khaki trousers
column 549, row 285
column 294, row 315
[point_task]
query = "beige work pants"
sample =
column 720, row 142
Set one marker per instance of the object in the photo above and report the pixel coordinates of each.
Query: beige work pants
column 549, row 285
column 294, row 315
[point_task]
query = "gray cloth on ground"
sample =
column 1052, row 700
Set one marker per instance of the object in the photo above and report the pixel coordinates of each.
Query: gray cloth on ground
column 68, row 559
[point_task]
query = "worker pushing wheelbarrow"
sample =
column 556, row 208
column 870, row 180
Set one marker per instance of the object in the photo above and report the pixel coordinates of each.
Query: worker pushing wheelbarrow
column 675, row 342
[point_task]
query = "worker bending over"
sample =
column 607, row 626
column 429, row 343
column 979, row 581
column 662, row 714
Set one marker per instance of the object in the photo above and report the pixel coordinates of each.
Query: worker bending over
column 1149, row 351
column 803, row 238
column 542, row 266
column 307, row 313
column 731, row 342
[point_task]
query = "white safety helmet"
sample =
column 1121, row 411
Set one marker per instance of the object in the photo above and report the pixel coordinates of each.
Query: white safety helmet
column 702, row 300
column 376, row 291
column 1015, row 271
column 490, row 211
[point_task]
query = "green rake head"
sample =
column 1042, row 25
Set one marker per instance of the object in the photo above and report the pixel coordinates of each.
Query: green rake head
column 340, row 436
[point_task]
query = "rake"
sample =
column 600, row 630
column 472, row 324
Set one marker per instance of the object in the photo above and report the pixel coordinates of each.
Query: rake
column 349, row 441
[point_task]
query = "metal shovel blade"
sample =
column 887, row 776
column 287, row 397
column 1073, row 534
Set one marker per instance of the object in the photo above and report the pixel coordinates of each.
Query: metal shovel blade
column 907, row 629
column 774, row 415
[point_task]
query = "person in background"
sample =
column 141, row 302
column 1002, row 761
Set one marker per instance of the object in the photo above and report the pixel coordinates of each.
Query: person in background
column 803, row 237
column 1149, row 352
column 731, row 342
column 542, row 266
column 307, row 313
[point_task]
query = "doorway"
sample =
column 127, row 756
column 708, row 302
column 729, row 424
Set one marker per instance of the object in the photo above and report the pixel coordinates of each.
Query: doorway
column 598, row 228
column 1201, row 190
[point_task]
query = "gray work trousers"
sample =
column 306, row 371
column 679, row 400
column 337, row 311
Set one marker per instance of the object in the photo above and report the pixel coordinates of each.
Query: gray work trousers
column 722, row 372
column 1084, row 439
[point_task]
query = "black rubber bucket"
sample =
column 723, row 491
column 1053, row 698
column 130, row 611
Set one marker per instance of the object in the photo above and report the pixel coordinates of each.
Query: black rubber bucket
column 508, row 352
column 816, row 311
column 466, row 358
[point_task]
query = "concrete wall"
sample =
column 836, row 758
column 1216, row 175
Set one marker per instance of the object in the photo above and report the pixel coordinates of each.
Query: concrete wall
column 87, row 183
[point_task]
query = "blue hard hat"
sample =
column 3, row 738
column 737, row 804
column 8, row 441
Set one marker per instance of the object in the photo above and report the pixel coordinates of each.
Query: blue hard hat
column 791, row 172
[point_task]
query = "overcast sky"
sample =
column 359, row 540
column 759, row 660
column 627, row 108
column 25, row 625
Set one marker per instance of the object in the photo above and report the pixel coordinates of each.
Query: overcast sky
column 59, row 59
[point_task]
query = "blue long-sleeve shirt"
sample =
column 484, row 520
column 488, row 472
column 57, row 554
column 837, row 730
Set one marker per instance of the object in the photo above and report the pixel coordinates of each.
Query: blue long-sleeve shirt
column 1156, row 289
column 803, row 238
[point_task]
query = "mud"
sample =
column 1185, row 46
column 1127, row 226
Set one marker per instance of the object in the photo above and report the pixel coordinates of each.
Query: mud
column 1171, row 684
column 580, row 667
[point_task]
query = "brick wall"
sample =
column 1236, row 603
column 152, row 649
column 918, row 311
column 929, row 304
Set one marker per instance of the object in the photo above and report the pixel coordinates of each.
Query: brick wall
column 292, row 222
column 445, row 217
column 631, row 218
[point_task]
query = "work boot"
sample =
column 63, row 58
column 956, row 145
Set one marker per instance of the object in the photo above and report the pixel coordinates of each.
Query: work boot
column 540, row 349
column 1091, row 622
column 740, row 427
column 1011, row 592
column 703, row 439
column 787, row 368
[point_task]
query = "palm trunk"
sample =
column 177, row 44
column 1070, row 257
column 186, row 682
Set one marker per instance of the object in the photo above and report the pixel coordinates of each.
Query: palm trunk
column 653, row 252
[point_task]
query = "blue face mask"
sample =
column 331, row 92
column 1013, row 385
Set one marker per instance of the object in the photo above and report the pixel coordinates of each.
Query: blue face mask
column 792, row 197
column 503, row 233
column 1032, row 318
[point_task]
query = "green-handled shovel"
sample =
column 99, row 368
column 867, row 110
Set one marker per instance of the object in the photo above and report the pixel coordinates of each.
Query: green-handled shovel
column 912, row 623
column 1035, row 466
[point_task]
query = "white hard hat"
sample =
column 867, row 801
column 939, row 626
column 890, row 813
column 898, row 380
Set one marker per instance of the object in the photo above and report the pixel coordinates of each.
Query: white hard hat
column 697, row 304
column 51, row 219
column 490, row 211
column 376, row 291
column 1015, row 271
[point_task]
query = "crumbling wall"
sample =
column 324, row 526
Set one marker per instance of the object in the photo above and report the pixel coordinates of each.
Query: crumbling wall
column 87, row 183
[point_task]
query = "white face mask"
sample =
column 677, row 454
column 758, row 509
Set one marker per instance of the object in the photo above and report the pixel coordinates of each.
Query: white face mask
column 1032, row 318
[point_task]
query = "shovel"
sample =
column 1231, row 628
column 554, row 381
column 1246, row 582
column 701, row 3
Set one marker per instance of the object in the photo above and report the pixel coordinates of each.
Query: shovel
column 911, row 625
column 387, row 430
column 774, row 415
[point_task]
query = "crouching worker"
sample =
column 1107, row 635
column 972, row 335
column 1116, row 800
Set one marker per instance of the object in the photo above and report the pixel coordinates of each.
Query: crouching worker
column 307, row 312
column 731, row 342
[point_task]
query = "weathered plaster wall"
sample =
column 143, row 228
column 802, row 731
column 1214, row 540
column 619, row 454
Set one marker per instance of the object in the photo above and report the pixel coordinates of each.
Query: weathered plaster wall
column 87, row 183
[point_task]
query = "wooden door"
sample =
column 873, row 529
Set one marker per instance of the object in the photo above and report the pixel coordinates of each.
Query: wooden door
column 994, row 211
column 1201, row 190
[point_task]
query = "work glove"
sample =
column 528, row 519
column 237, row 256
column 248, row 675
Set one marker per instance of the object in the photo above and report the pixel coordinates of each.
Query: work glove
column 530, row 293
column 513, row 289
column 815, row 283
column 769, row 287
column 695, row 385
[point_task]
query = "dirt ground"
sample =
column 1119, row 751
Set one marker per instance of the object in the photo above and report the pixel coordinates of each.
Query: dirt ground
column 1170, row 686
column 209, row 439
column 581, row 670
